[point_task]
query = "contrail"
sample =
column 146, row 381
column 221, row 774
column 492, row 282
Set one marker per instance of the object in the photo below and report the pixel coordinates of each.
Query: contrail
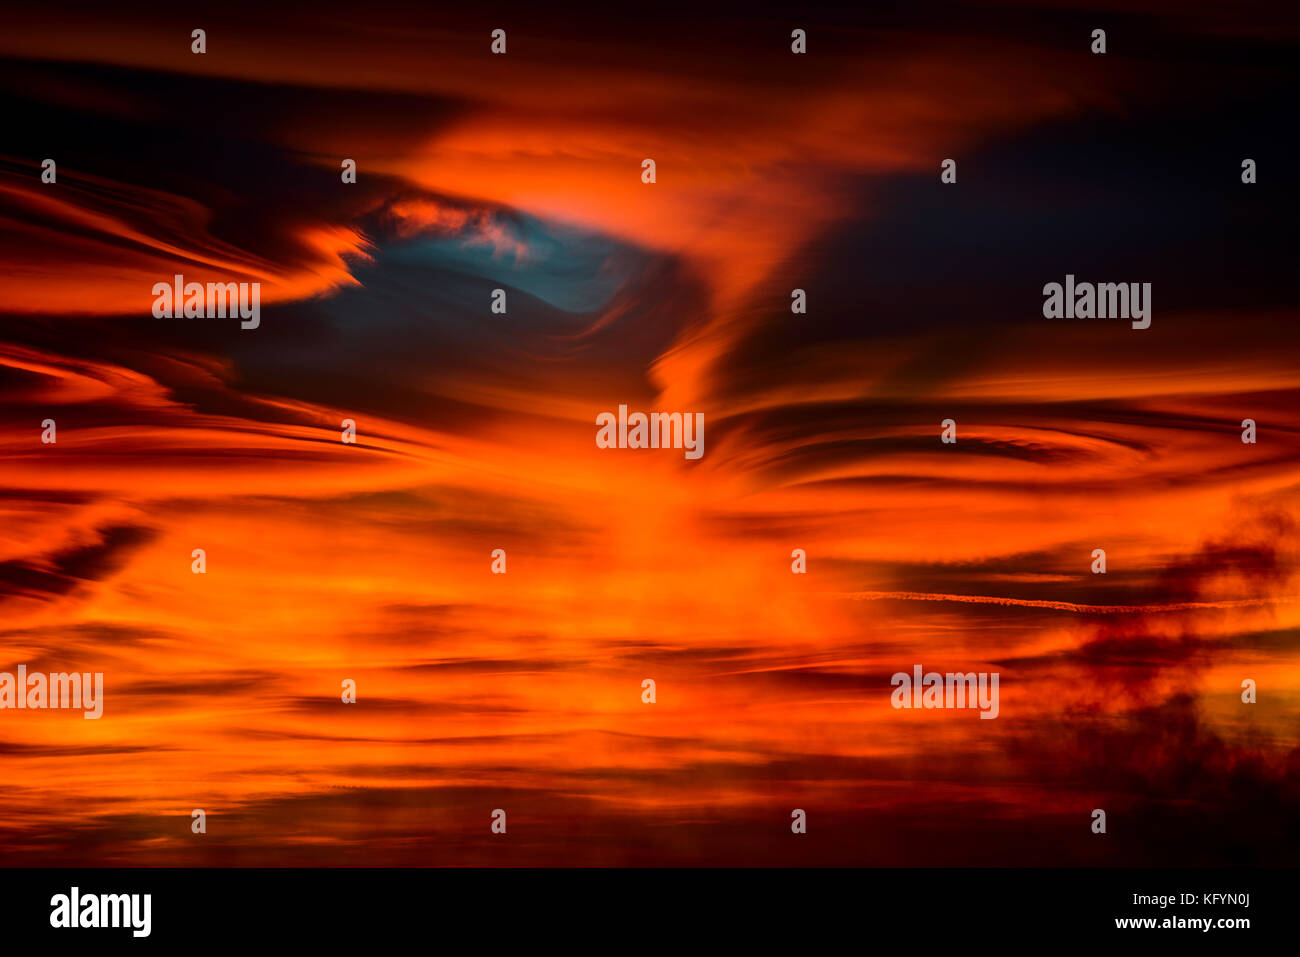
column 1062, row 605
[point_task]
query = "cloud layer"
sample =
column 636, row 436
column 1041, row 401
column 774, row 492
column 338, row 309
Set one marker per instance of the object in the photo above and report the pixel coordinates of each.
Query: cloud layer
column 371, row 562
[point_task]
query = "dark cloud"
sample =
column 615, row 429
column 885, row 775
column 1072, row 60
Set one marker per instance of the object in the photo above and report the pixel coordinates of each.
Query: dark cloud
column 68, row 569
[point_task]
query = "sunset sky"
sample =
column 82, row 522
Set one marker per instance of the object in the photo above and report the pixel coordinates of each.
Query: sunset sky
column 475, row 431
